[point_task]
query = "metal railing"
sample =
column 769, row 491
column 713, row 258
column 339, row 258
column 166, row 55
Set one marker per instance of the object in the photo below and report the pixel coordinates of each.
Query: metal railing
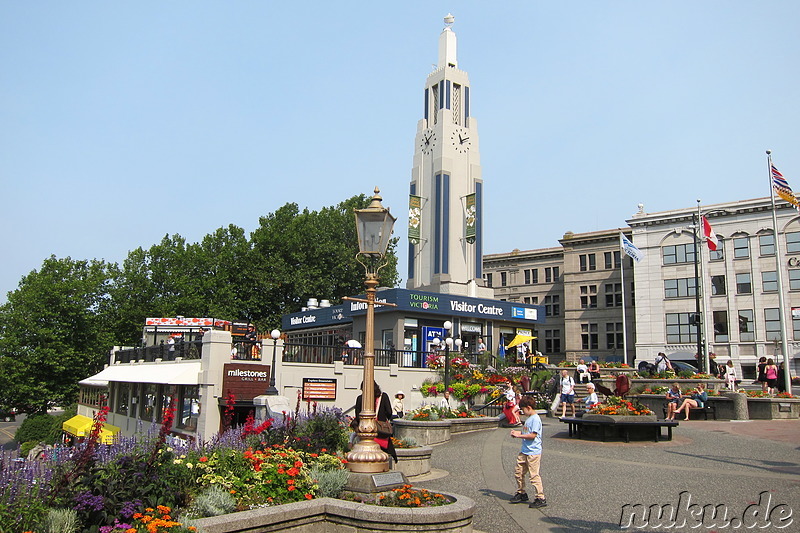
column 326, row 354
column 185, row 350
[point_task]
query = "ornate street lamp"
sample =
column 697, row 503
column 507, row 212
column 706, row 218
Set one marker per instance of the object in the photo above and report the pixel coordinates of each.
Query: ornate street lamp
column 448, row 343
column 271, row 390
column 374, row 225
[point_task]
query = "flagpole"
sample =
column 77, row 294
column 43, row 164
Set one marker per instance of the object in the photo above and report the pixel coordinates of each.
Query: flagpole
column 778, row 267
column 624, row 321
column 702, row 288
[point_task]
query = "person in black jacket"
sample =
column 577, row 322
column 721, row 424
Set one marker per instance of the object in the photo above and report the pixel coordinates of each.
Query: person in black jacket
column 383, row 412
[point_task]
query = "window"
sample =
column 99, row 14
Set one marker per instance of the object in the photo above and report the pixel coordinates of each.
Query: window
column 552, row 341
column 793, row 242
column 794, row 279
column 123, row 391
column 679, row 253
column 719, row 253
column 503, row 279
column 769, row 281
column 587, row 262
column 680, row 288
column 531, row 300
column 614, row 338
column 149, row 402
column 589, row 340
column 550, row 274
column 766, row 244
column 613, row 294
column 720, row 326
column 772, row 324
column 189, row 407
column 741, row 247
column 681, row 329
column 488, row 279
column 612, row 259
column 743, row 284
column 588, row 296
column 552, row 305
column 717, row 285
column 796, row 328
column 531, row 276
column 747, row 331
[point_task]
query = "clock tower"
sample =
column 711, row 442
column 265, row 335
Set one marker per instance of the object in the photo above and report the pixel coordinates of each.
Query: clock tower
column 445, row 208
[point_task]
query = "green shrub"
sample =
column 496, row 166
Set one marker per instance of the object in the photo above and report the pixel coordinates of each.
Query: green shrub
column 61, row 521
column 330, row 483
column 325, row 429
column 43, row 427
column 213, row 501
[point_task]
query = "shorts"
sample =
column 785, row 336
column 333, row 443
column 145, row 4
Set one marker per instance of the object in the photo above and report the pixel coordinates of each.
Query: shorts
column 567, row 398
column 772, row 383
column 676, row 401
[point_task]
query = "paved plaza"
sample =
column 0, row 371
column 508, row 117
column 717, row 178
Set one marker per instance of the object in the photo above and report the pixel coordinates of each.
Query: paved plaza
column 587, row 483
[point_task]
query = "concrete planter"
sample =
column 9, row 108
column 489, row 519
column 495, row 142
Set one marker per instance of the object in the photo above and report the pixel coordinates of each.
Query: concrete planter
column 338, row 516
column 414, row 461
column 422, row 431
column 460, row 425
column 621, row 418
column 773, row 408
column 427, row 432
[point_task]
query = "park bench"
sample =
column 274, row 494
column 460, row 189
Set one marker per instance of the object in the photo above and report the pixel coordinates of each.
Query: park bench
column 576, row 426
column 709, row 408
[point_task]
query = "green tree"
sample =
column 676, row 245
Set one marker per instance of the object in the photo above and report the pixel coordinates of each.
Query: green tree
column 53, row 333
column 297, row 255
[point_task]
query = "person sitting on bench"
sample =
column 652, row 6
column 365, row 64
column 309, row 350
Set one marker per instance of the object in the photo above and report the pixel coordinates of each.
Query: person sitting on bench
column 582, row 372
column 591, row 398
column 697, row 400
column 673, row 399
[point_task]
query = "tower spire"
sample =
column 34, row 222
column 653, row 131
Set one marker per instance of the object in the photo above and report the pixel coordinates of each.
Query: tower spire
column 447, row 44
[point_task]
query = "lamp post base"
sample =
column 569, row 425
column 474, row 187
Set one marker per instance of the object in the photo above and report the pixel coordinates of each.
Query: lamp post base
column 367, row 457
column 372, row 483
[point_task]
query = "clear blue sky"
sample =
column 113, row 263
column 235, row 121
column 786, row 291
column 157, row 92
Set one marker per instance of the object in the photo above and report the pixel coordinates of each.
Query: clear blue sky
column 122, row 122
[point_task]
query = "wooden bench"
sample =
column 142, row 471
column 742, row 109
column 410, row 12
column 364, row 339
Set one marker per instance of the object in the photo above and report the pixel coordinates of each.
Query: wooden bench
column 576, row 425
column 708, row 408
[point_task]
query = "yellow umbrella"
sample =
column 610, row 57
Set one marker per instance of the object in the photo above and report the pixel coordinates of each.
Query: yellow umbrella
column 519, row 339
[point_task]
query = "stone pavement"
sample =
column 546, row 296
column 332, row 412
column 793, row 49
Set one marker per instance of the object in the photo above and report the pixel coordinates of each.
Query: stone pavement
column 587, row 483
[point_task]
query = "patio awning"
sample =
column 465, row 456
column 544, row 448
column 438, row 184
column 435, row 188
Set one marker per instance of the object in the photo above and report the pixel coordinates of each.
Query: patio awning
column 170, row 373
column 81, row 426
column 519, row 339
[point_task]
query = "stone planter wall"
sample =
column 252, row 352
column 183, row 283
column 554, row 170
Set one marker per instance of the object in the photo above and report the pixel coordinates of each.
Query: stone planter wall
column 773, row 408
column 414, row 461
column 330, row 515
column 460, row 425
column 423, row 432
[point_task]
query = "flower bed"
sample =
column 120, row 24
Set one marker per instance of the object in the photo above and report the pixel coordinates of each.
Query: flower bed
column 616, row 406
column 145, row 479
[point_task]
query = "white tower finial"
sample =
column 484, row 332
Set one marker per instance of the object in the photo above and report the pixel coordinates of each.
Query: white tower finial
column 449, row 19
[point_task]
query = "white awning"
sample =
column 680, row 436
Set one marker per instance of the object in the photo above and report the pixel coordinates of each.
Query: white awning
column 169, row 373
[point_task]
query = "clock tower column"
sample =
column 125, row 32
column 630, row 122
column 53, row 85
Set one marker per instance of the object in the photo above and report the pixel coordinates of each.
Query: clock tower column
column 445, row 224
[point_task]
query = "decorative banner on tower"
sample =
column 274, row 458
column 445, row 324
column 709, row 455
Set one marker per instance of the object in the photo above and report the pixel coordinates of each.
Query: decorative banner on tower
column 471, row 218
column 414, row 217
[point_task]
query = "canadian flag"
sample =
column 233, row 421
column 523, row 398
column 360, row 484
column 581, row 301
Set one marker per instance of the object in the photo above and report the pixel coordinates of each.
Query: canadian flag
column 711, row 237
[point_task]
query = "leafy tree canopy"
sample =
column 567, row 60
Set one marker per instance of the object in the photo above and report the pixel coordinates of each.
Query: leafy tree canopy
column 58, row 326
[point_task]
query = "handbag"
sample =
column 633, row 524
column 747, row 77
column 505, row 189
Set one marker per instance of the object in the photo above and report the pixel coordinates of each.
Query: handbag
column 385, row 428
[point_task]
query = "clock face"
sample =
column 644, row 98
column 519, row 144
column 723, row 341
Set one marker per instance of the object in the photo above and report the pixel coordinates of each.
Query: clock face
column 428, row 141
column 461, row 140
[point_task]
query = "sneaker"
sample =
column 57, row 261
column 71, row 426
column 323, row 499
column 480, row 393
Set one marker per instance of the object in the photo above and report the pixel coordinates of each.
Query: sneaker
column 519, row 497
column 537, row 503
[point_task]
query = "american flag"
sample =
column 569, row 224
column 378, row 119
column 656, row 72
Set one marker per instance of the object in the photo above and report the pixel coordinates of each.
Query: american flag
column 782, row 188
